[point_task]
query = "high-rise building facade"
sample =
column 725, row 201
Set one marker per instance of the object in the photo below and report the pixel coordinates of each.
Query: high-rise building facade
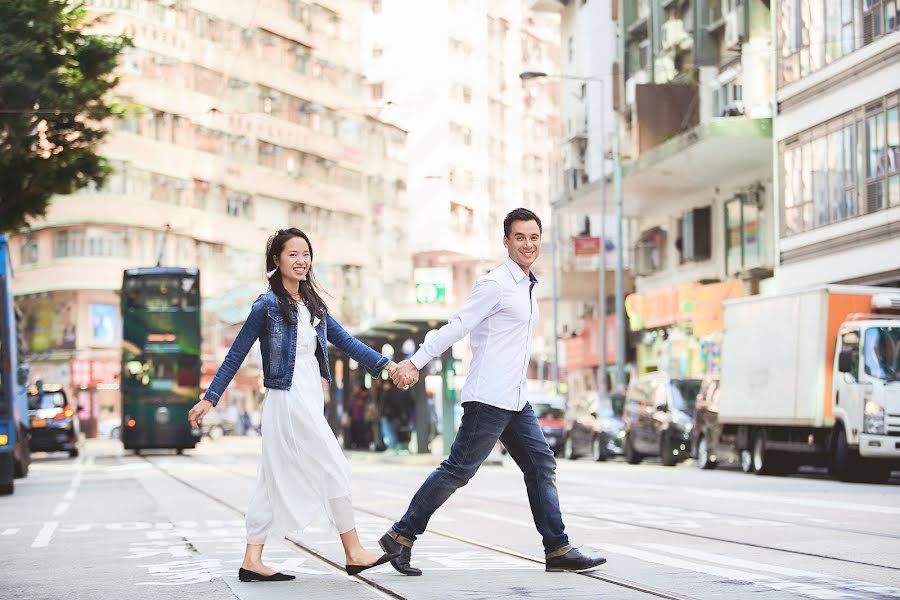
column 838, row 142
column 243, row 118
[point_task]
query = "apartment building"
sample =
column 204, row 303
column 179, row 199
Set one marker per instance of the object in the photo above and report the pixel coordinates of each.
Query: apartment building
column 838, row 142
column 695, row 110
column 243, row 118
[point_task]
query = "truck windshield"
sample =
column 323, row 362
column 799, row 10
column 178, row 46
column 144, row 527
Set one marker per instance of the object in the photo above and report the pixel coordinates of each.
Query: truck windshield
column 881, row 353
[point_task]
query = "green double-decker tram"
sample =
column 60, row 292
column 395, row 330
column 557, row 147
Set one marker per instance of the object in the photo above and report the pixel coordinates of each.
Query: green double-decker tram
column 160, row 357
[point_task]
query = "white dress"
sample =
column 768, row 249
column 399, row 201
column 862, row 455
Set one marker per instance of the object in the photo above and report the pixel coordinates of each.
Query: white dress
column 303, row 476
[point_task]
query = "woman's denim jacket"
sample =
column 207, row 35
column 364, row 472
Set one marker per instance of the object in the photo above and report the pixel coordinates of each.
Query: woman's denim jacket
column 278, row 343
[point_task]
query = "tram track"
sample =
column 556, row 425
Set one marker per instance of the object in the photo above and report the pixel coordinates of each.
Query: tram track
column 599, row 577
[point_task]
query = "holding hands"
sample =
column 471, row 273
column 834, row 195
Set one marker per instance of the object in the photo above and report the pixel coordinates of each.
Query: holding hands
column 403, row 375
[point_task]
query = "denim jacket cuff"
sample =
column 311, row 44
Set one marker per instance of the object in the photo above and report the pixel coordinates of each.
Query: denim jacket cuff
column 212, row 397
column 379, row 366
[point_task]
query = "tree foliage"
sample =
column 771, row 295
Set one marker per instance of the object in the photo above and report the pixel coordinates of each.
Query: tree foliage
column 55, row 81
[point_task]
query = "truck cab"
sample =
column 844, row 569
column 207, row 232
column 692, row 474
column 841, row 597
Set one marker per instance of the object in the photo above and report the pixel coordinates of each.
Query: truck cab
column 866, row 388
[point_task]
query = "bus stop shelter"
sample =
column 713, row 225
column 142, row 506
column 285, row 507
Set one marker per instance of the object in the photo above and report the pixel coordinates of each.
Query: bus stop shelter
column 405, row 333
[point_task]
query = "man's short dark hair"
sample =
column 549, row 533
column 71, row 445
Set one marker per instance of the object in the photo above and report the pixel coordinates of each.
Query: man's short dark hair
column 520, row 214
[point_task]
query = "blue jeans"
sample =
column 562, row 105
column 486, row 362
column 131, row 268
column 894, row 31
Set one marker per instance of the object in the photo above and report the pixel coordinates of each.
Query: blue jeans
column 482, row 425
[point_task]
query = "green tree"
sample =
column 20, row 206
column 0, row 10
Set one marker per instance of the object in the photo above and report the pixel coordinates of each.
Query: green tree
column 54, row 84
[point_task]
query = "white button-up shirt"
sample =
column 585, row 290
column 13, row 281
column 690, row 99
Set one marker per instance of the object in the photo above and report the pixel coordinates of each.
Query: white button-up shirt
column 500, row 315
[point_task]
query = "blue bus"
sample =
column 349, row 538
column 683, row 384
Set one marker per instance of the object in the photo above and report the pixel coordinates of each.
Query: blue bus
column 15, row 456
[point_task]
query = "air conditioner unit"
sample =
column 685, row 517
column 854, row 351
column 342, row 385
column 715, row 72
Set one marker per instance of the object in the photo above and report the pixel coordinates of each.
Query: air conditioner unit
column 673, row 34
column 734, row 29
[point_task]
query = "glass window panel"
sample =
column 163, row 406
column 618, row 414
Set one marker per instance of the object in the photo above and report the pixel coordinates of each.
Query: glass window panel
column 835, row 175
column 791, row 178
column 893, row 140
column 849, row 208
column 846, row 10
column 733, row 236
column 875, row 146
column 806, row 168
column 819, row 176
column 751, row 233
column 807, row 216
column 890, row 16
column 792, row 222
column 847, row 40
column 814, row 15
column 832, row 31
column 894, row 191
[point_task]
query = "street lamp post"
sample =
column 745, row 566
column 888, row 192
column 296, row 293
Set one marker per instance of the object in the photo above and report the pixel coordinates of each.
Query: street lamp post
column 619, row 279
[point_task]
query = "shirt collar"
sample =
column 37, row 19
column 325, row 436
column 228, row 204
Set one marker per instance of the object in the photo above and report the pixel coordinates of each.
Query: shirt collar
column 517, row 272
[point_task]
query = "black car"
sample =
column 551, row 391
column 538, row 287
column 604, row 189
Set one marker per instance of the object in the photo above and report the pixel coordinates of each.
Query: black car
column 595, row 427
column 659, row 413
column 53, row 421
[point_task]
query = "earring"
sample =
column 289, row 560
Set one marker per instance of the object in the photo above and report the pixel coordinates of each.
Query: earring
column 270, row 273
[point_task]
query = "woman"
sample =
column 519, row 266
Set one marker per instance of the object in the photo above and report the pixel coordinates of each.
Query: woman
column 302, row 474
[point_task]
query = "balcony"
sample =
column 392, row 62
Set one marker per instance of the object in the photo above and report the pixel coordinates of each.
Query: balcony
column 554, row 6
column 698, row 159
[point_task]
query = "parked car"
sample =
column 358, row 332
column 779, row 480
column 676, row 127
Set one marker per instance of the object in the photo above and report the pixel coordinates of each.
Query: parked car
column 53, row 421
column 550, row 411
column 594, row 427
column 659, row 413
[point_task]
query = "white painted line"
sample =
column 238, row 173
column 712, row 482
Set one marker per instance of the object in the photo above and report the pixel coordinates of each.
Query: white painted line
column 730, row 561
column 850, row 507
column 11, row 531
column 796, row 588
column 60, row 508
column 44, row 535
column 493, row 517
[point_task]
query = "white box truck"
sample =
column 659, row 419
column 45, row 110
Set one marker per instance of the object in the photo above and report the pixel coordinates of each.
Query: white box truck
column 812, row 377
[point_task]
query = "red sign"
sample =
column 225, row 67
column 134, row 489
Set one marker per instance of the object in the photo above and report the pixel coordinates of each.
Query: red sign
column 586, row 245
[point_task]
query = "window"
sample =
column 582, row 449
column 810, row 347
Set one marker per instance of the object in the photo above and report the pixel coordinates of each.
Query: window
column 694, row 241
column 743, row 247
column 239, row 204
column 850, row 345
column 28, row 251
column 90, row 242
column 650, row 251
column 843, row 168
column 815, row 33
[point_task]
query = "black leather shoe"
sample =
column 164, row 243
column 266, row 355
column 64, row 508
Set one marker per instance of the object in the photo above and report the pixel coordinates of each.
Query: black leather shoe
column 357, row 569
column 574, row 561
column 401, row 563
column 247, row 575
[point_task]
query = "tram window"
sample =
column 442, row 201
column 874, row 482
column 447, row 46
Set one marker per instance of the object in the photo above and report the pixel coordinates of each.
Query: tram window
column 162, row 292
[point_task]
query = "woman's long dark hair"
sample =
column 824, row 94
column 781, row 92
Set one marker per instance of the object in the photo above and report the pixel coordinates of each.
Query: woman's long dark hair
column 309, row 289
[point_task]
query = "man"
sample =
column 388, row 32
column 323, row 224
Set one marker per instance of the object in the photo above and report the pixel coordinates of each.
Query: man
column 500, row 315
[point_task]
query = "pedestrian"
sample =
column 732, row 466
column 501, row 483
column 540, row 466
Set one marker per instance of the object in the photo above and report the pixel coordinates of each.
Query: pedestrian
column 500, row 314
column 246, row 423
column 303, row 475
column 389, row 408
column 358, row 420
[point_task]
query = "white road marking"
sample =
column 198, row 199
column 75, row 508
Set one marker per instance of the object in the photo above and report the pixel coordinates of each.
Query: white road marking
column 60, row 508
column 775, row 583
column 493, row 517
column 44, row 535
column 820, row 578
column 850, row 507
column 11, row 531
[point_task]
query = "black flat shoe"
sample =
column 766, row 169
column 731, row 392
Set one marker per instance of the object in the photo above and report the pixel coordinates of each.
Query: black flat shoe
column 247, row 575
column 357, row 569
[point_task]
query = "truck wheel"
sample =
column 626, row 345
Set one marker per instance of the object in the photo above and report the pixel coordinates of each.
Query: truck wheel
column 598, row 451
column 765, row 462
column 746, row 460
column 667, row 453
column 703, row 460
column 845, row 463
column 631, row 455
